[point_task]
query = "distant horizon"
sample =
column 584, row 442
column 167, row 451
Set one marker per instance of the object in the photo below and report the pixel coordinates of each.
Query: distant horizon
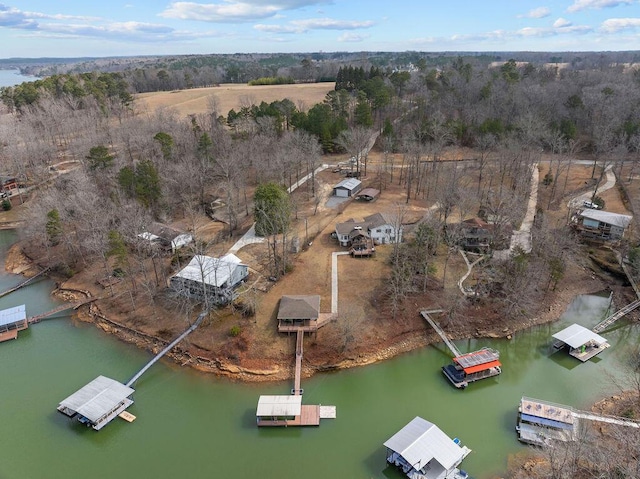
column 32, row 29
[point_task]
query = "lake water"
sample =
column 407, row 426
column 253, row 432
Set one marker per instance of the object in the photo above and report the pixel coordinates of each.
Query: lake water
column 13, row 77
column 192, row 425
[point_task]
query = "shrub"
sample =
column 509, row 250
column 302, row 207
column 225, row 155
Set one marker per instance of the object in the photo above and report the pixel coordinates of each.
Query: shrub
column 6, row 205
column 235, row 331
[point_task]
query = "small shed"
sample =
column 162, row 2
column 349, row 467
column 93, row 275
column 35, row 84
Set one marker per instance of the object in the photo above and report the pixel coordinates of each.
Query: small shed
column 368, row 194
column 97, row 403
column 12, row 320
column 347, row 187
column 583, row 344
column 421, row 449
column 276, row 410
column 210, row 278
column 298, row 310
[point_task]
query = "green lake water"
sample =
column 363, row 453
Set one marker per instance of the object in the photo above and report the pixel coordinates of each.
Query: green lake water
column 191, row 425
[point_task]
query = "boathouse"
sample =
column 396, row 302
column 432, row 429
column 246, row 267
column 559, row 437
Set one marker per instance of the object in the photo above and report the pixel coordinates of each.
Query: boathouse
column 423, row 451
column 583, row 344
column 278, row 410
column 12, row 320
column 97, row 403
column 542, row 421
column 212, row 279
column 470, row 367
column 298, row 311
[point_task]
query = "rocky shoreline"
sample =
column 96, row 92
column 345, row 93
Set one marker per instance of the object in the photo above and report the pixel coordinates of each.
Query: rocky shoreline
column 17, row 262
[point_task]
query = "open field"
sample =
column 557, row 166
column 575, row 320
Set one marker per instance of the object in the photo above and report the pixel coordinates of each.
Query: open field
column 232, row 96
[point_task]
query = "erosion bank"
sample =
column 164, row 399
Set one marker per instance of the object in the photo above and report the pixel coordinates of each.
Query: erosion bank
column 359, row 355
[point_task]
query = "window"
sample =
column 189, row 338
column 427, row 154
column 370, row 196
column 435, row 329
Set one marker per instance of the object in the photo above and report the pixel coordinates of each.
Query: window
column 388, row 231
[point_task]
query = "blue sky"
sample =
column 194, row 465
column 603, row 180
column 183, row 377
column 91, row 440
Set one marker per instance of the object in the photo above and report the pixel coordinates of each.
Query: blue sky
column 72, row 28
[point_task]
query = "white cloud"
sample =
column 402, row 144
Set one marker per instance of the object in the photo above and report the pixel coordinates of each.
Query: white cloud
column 596, row 4
column 350, row 37
column 539, row 12
column 302, row 26
column 234, row 11
column 561, row 23
column 613, row 25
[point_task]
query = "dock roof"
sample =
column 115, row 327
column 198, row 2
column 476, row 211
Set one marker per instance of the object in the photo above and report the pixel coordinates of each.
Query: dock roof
column 290, row 405
column 420, row 441
column 482, row 356
column 97, row 398
column 13, row 315
column 299, row 307
column 576, row 336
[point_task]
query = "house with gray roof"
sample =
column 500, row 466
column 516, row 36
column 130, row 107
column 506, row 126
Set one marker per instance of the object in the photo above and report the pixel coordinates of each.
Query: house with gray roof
column 598, row 225
column 208, row 279
column 423, row 451
column 298, row 310
column 377, row 227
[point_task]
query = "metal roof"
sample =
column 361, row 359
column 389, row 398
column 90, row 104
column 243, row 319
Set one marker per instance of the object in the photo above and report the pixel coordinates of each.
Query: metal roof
column 607, row 217
column 97, row 398
column 299, row 307
column 372, row 192
column 349, row 183
column 13, row 315
column 212, row 271
column 421, row 441
column 279, row 406
column 482, row 356
column 576, row 336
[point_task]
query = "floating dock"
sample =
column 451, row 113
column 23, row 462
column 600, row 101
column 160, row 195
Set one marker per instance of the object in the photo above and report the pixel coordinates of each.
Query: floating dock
column 12, row 320
column 542, row 422
column 583, row 344
column 469, row 367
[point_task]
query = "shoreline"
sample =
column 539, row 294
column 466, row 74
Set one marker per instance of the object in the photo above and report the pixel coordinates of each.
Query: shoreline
column 18, row 262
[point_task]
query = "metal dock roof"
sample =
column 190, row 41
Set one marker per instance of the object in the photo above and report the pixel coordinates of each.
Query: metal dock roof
column 97, row 399
column 475, row 358
column 13, row 315
column 279, row 406
column 576, row 336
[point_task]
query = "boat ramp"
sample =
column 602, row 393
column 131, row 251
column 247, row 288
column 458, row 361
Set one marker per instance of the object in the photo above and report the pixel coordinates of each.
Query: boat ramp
column 466, row 368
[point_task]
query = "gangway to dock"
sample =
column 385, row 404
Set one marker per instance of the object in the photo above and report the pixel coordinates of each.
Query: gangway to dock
column 63, row 307
column 604, row 324
column 157, row 357
column 297, row 390
column 469, row 367
column 24, row 283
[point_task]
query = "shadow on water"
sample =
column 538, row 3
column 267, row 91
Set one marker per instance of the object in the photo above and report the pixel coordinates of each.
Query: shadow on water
column 561, row 358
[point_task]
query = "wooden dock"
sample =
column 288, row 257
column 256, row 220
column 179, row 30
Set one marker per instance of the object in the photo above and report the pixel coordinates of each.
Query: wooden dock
column 59, row 309
column 299, row 351
column 7, row 335
column 127, row 416
column 24, row 283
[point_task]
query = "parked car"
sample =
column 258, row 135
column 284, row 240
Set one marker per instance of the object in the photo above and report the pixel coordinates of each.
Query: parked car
column 589, row 204
column 4, row 194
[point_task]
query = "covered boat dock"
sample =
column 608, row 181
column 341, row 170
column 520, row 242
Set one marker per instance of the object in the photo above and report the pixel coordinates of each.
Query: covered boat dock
column 422, row 451
column 583, row 344
column 97, row 403
column 12, row 320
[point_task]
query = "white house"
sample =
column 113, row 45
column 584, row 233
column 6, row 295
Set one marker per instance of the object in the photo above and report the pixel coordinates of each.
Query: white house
column 210, row 279
column 423, row 451
column 377, row 227
column 347, row 187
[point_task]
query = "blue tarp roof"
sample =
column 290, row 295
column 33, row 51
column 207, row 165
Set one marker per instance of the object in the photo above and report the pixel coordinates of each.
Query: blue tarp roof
column 546, row 422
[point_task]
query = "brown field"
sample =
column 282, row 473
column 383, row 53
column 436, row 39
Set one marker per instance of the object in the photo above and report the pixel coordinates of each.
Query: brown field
column 232, row 96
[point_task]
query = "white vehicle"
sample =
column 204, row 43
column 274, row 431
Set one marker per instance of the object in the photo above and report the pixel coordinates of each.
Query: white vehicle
column 589, row 204
column 4, row 194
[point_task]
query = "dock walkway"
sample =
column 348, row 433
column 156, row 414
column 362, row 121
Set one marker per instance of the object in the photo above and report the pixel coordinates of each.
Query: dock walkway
column 63, row 307
column 425, row 314
column 297, row 391
column 604, row 324
column 24, row 283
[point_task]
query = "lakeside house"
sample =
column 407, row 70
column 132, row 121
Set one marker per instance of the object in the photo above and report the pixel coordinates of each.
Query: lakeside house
column 476, row 235
column 377, row 227
column 207, row 278
column 423, row 451
column 168, row 238
column 598, row 225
